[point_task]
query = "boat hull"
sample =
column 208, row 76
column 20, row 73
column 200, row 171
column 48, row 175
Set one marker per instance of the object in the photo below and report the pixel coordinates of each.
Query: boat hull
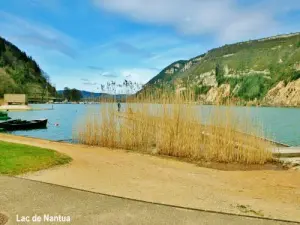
column 12, row 125
column 5, row 118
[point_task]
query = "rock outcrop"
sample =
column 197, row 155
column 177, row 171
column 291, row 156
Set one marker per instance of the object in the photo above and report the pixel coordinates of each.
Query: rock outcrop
column 284, row 95
column 217, row 94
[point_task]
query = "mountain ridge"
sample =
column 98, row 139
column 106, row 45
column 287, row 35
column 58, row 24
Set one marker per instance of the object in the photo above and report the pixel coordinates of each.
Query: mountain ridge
column 91, row 95
column 244, row 71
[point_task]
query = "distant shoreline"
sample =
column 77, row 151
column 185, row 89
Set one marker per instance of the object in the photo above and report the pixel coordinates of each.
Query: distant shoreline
column 15, row 107
column 20, row 108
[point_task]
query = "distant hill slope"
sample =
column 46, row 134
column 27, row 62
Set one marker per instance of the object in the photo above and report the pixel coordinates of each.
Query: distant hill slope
column 264, row 71
column 87, row 94
column 19, row 73
column 91, row 95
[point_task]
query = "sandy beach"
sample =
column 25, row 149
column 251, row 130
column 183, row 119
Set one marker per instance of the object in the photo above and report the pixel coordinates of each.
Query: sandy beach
column 15, row 107
column 267, row 193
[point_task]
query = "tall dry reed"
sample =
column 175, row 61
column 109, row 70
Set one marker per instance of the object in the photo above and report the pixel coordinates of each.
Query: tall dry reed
column 176, row 129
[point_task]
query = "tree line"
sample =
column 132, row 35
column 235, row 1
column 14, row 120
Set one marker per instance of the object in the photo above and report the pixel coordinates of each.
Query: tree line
column 72, row 95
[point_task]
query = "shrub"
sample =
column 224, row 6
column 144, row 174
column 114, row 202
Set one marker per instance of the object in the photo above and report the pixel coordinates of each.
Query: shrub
column 253, row 87
column 201, row 90
column 295, row 76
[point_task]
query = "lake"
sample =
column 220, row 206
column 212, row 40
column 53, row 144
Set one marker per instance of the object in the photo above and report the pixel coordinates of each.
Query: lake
column 280, row 124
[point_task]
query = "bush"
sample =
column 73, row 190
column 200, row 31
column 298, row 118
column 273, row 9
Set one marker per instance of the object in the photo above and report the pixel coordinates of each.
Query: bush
column 201, row 90
column 253, row 87
column 295, row 76
column 219, row 73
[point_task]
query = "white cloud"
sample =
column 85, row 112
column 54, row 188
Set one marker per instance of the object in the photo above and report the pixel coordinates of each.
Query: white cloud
column 31, row 33
column 249, row 28
column 226, row 19
column 85, row 79
column 182, row 52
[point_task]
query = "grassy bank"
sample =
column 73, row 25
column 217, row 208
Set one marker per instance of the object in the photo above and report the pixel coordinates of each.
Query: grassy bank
column 176, row 130
column 17, row 159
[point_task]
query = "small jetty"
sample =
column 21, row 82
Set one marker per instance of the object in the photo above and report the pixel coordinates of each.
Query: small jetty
column 286, row 152
column 289, row 156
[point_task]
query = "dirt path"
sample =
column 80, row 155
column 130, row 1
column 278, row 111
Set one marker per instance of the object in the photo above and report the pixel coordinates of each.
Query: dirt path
column 21, row 197
column 274, row 194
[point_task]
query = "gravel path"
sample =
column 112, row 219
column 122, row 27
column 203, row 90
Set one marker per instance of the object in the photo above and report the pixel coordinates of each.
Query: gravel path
column 273, row 194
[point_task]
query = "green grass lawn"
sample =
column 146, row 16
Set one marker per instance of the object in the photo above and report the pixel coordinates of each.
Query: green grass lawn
column 17, row 159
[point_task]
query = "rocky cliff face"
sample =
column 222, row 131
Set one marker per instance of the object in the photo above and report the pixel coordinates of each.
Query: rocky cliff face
column 216, row 94
column 280, row 95
column 284, row 95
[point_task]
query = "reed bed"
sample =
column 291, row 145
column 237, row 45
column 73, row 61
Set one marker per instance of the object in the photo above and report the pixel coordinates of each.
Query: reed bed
column 178, row 130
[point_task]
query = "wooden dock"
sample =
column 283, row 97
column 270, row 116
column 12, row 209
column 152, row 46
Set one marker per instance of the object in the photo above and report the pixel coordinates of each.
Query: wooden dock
column 286, row 152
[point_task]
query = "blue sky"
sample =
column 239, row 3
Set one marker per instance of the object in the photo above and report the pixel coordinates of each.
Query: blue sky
column 85, row 43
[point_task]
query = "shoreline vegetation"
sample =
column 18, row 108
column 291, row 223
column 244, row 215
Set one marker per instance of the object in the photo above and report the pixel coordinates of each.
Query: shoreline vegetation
column 17, row 159
column 177, row 129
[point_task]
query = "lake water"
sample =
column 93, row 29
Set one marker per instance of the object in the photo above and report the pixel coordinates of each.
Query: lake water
column 280, row 124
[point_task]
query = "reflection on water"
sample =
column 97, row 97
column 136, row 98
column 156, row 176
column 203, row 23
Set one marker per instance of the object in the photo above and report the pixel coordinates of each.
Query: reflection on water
column 280, row 124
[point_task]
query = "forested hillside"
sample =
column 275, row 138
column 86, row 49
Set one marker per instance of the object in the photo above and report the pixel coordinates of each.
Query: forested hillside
column 19, row 73
column 266, row 71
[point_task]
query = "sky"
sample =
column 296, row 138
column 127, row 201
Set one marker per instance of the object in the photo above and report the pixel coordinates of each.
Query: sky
column 84, row 43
